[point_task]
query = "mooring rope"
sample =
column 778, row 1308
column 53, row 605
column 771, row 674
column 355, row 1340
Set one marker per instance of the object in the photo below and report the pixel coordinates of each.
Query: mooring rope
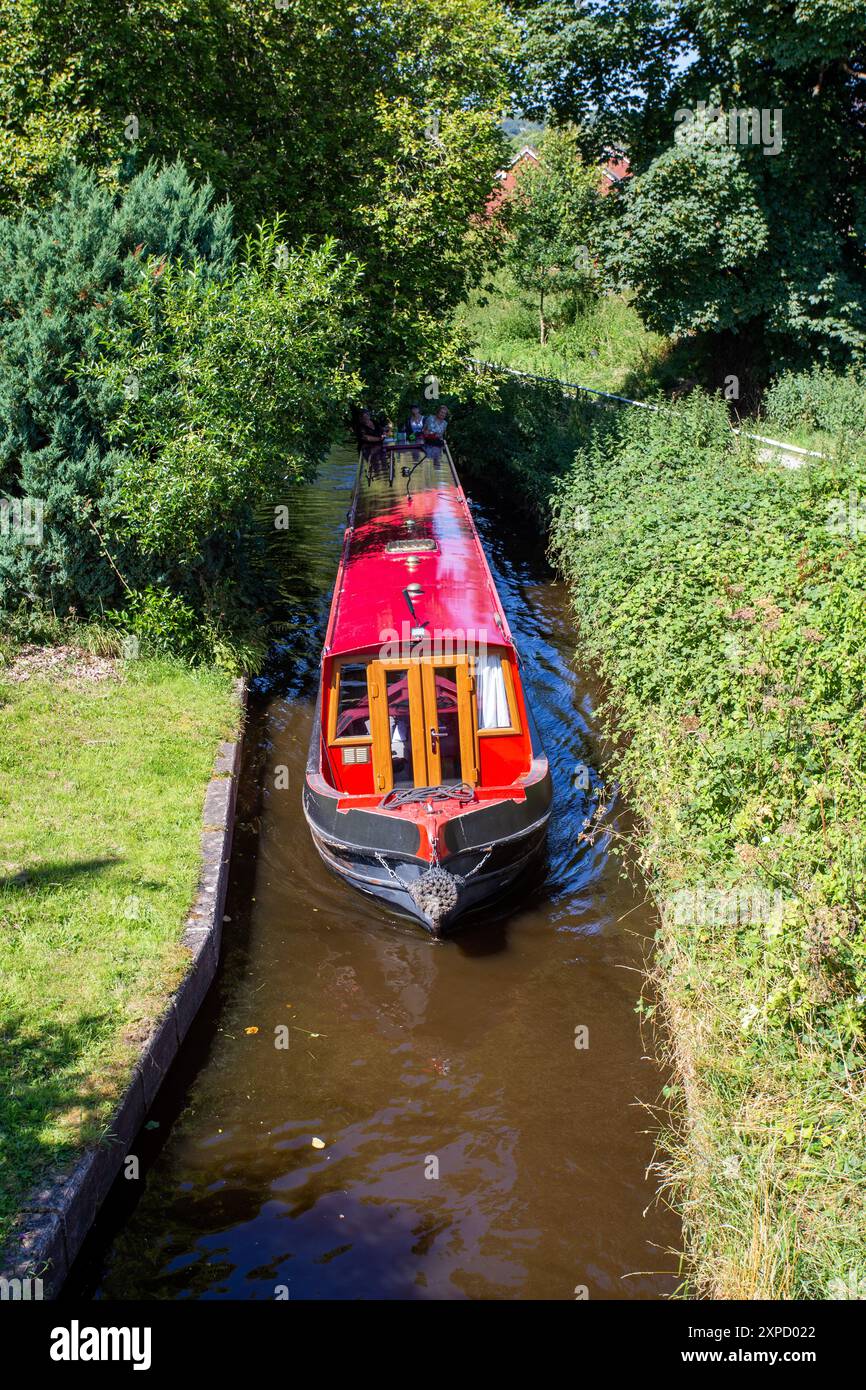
column 459, row 791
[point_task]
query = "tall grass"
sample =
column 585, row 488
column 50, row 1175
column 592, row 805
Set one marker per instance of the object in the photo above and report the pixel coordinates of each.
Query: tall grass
column 598, row 342
column 821, row 409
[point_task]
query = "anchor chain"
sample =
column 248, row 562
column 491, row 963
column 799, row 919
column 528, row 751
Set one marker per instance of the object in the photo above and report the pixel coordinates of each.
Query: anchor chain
column 480, row 865
column 388, row 870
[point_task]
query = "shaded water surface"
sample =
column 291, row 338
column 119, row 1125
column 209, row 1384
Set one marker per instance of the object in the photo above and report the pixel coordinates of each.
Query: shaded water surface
column 404, row 1055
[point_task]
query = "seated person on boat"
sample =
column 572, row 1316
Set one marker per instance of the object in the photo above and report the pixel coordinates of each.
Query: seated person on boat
column 415, row 424
column 434, row 431
column 369, row 435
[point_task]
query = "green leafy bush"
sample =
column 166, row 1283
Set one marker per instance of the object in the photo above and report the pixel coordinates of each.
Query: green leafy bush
column 724, row 602
column 162, row 622
column 241, row 386
column 65, row 270
column 525, row 433
column 156, row 391
column 820, row 399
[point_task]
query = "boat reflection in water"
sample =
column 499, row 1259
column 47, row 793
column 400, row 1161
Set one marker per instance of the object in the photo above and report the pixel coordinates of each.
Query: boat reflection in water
column 426, row 783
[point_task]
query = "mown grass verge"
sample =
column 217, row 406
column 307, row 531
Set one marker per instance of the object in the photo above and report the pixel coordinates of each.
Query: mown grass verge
column 819, row 409
column 102, row 782
column 723, row 601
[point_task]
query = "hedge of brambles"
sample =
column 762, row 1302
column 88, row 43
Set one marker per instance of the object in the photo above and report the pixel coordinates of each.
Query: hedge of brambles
column 724, row 601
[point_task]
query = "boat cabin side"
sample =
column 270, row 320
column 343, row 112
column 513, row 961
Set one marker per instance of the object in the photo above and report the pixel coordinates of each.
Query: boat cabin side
column 394, row 724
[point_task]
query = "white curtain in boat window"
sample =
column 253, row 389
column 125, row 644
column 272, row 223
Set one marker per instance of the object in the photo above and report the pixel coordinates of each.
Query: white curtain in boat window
column 493, row 711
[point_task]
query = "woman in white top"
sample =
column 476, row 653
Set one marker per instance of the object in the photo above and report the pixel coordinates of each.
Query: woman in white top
column 434, row 433
column 415, row 423
column 438, row 423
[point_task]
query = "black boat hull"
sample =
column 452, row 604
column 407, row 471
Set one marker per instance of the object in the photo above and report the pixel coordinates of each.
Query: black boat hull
column 389, row 879
column 491, row 847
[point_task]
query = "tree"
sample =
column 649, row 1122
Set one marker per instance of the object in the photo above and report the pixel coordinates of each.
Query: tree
column 554, row 222
column 155, row 389
column 746, row 215
column 374, row 124
column 241, row 385
column 63, row 271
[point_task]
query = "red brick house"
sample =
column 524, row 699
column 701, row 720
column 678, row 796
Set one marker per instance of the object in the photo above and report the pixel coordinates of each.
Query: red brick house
column 507, row 178
column 614, row 170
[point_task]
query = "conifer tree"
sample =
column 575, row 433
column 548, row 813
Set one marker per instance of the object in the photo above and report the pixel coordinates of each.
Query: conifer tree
column 63, row 271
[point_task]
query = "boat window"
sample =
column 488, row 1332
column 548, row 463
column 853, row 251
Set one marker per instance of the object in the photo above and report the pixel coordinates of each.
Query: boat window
column 353, row 702
column 493, row 708
column 400, row 723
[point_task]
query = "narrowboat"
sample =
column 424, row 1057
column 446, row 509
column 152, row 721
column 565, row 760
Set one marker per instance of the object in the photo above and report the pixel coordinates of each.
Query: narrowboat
column 426, row 784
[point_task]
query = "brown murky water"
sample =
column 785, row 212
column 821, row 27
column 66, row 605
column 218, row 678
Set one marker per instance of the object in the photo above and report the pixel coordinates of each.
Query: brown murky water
column 407, row 1058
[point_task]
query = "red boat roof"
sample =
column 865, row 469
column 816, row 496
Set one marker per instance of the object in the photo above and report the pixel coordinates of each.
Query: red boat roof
column 425, row 520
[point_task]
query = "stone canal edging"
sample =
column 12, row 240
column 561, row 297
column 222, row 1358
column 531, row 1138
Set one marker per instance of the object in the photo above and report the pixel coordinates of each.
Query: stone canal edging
column 57, row 1218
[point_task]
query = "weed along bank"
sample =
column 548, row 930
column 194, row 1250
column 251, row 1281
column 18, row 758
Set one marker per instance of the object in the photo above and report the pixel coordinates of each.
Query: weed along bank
column 717, row 604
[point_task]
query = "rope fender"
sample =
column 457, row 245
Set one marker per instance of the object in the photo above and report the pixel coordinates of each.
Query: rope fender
column 435, row 894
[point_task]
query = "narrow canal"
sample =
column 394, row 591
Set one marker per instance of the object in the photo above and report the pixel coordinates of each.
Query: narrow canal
column 310, row 1171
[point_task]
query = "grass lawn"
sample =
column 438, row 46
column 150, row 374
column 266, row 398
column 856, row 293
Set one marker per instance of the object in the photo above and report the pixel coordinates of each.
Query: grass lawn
column 102, row 783
column 604, row 346
column 820, row 441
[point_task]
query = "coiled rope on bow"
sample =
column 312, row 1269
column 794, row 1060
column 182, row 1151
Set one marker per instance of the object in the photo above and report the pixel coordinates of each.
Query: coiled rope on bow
column 457, row 791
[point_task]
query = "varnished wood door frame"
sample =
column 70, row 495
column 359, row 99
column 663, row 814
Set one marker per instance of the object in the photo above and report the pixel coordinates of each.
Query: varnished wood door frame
column 423, row 715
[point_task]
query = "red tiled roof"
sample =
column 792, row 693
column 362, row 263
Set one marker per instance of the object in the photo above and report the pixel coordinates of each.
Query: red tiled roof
column 508, row 178
column 614, row 170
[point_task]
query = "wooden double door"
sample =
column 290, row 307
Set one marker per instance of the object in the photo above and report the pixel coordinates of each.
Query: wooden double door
column 424, row 723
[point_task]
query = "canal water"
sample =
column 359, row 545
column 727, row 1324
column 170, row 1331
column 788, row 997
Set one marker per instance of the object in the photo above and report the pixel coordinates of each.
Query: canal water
column 459, row 1120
